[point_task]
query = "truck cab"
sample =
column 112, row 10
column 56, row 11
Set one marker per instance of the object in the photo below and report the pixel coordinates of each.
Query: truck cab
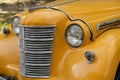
column 68, row 40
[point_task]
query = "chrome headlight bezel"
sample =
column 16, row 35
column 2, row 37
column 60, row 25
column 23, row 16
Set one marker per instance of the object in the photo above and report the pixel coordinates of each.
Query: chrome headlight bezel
column 82, row 35
column 15, row 25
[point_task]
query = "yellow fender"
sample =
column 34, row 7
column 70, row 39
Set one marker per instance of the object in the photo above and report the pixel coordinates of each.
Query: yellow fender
column 106, row 48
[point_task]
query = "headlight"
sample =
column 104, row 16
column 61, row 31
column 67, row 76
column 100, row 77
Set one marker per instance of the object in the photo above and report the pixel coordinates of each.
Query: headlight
column 15, row 25
column 74, row 35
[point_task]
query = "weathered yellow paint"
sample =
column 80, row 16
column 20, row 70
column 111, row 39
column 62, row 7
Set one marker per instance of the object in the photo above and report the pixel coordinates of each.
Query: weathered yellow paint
column 69, row 63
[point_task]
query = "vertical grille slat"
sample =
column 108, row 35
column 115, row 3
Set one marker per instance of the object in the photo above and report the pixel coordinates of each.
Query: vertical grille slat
column 36, row 45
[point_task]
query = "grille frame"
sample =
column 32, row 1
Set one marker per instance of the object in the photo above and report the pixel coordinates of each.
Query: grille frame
column 23, row 63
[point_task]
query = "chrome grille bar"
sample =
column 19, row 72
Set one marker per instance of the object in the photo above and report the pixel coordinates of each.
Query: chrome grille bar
column 36, row 48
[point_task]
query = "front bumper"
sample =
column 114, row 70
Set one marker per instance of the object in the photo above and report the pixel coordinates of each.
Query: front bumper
column 6, row 78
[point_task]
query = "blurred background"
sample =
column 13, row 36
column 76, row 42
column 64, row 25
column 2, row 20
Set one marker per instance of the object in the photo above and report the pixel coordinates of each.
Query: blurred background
column 8, row 8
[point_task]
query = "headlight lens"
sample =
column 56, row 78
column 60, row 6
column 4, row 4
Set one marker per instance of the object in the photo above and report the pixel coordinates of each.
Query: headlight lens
column 74, row 35
column 15, row 25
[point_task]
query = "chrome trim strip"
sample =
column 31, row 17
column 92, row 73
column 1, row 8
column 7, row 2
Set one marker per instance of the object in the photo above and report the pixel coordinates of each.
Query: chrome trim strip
column 37, row 64
column 36, row 76
column 72, row 19
column 43, row 52
column 36, row 26
column 39, row 39
column 107, row 24
column 1, row 78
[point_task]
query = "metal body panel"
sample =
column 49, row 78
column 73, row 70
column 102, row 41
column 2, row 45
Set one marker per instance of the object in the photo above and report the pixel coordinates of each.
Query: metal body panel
column 70, row 63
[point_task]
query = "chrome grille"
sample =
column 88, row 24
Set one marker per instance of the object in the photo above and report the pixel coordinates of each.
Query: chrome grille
column 36, row 48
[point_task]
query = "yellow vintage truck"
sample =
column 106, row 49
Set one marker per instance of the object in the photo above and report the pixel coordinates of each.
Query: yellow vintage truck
column 63, row 40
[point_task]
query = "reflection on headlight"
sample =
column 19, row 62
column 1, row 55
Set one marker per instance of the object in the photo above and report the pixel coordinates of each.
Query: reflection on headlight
column 15, row 25
column 74, row 35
